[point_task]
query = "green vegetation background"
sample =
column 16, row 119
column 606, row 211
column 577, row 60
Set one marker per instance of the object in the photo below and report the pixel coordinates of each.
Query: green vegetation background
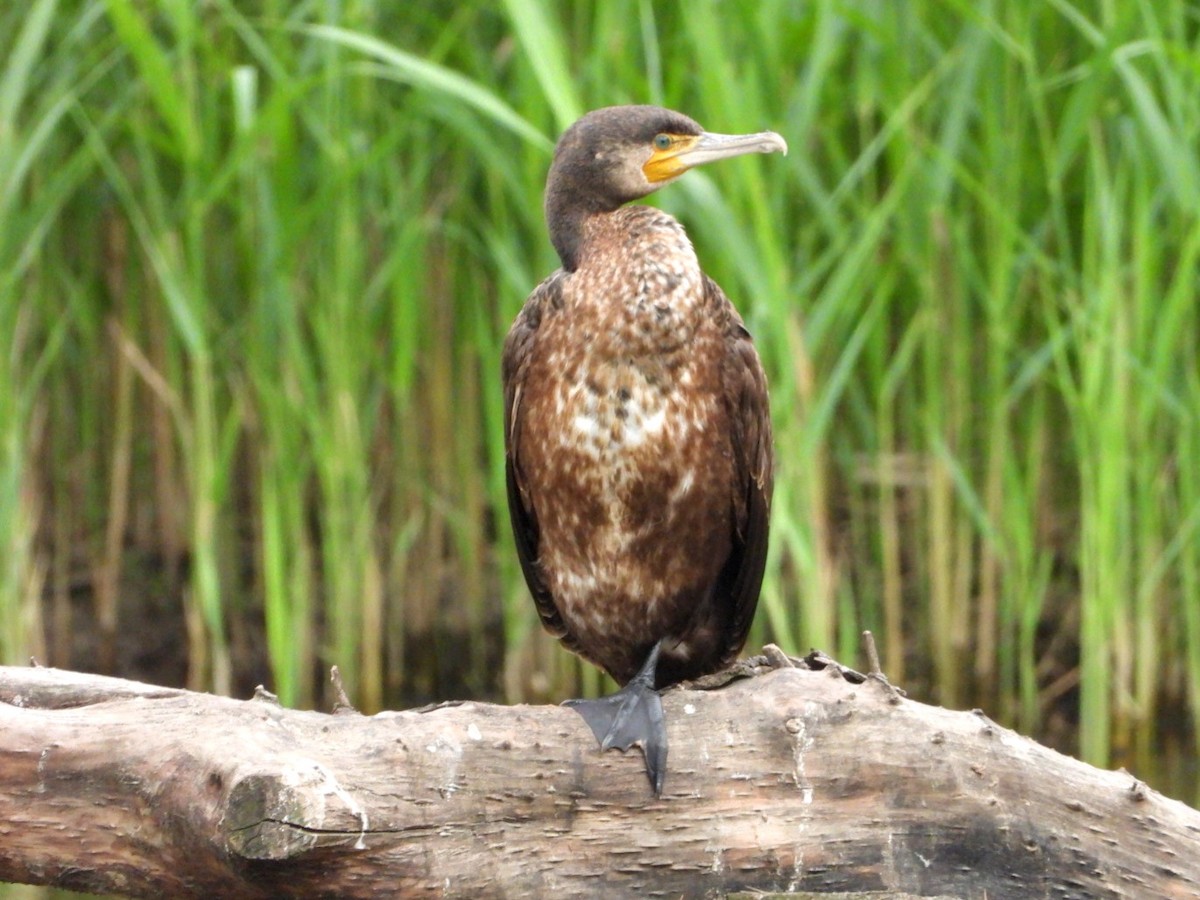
column 257, row 261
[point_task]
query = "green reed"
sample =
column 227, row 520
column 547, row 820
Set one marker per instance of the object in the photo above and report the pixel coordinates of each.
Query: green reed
column 33, row 105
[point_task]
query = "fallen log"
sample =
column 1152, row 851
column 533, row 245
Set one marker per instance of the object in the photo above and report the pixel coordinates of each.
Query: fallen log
column 789, row 780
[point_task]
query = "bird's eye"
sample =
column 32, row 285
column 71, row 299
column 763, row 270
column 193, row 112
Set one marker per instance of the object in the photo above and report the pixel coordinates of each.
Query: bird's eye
column 662, row 141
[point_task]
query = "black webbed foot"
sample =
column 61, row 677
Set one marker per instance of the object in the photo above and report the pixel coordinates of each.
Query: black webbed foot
column 633, row 715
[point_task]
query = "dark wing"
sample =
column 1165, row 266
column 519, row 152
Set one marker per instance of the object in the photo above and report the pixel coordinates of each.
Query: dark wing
column 749, row 417
column 518, row 345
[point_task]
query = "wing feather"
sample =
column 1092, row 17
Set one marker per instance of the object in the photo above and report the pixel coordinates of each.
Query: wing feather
column 518, row 347
column 749, row 417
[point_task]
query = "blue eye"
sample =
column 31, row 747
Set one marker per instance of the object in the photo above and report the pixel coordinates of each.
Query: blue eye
column 662, row 141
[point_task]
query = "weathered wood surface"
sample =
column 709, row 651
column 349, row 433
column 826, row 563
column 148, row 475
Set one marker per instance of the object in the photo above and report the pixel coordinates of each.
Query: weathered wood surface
column 792, row 780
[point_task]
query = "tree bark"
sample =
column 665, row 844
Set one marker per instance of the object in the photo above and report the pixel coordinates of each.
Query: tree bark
column 789, row 781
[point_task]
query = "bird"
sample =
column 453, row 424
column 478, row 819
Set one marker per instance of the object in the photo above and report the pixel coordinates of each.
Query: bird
column 638, row 445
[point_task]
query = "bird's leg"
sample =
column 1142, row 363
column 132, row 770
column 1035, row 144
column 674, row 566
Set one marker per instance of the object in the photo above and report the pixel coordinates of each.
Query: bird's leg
column 633, row 715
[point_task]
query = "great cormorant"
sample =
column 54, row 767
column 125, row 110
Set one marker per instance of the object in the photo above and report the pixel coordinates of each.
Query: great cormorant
column 638, row 434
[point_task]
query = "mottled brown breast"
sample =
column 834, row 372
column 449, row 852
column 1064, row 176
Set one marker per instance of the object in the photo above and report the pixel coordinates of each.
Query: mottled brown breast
column 639, row 453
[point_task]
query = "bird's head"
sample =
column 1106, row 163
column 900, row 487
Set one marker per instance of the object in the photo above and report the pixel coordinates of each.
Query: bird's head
column 621, row 153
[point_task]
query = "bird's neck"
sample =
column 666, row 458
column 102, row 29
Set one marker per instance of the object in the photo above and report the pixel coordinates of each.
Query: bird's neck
column 634, row 242
column 569, row 205
column 566, row 223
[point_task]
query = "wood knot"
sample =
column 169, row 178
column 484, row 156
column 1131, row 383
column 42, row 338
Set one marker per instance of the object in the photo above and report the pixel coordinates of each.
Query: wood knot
column 285, row 814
